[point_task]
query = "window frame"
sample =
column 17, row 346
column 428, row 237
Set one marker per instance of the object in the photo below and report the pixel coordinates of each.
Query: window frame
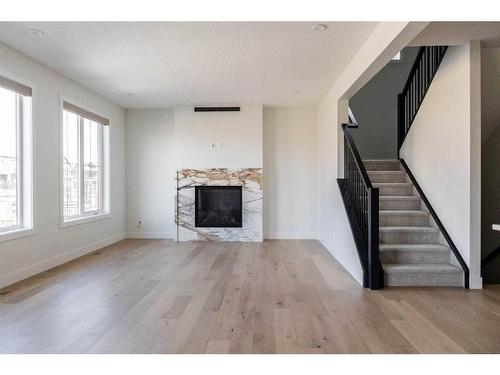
column 401, row 59
column 25, row 149
column 104, row 210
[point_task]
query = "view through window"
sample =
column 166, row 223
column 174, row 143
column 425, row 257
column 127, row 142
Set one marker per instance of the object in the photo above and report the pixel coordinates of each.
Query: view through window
column 83, row 167
column 15, row 156
column 9, row 159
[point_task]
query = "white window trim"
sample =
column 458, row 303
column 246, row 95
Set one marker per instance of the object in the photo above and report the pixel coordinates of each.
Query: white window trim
column 105, row 212
column 85, row 219
column 28, row 204
column 19, row 232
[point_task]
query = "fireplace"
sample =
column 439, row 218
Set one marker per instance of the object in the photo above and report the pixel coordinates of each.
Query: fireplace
column 218, row 206
column 237, row 216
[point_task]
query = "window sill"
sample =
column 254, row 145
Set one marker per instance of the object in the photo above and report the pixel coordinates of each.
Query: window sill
column 16, row 233
column 84, row 220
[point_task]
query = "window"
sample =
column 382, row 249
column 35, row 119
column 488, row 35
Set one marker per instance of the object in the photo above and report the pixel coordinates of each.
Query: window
column 397, row 57
column 84, row 168
column 15, row 157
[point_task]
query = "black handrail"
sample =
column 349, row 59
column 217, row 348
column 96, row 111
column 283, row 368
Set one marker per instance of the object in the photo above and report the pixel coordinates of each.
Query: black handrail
column 438, row 222
column 363, row 199
column 419, row 80
column 488, row 258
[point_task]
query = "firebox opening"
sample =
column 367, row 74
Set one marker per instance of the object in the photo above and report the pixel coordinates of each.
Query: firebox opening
column 218, row 206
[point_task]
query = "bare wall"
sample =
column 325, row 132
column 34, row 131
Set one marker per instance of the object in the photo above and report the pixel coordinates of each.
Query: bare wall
column 290, row 172
column 150, row 173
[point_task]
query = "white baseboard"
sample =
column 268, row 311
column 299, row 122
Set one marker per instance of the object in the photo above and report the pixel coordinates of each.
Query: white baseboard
column 476, row 282
column 290, row 236
column 150, row 235
column 31, row 270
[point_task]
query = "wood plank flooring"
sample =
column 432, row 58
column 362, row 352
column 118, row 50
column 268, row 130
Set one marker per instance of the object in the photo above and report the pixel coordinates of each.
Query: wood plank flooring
column 158, row 296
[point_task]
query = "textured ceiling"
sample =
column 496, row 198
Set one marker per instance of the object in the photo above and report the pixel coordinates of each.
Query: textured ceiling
column 161, row 64
column 456, row 33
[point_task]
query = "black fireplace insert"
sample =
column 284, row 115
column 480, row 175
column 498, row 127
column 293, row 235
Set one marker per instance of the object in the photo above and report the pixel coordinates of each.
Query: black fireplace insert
column 218, row 206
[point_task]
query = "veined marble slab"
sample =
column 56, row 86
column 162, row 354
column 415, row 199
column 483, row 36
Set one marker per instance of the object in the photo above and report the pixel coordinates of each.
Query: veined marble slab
column 250, row 179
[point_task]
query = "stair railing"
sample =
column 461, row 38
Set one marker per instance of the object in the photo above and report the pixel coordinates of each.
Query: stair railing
column 421, row 75
column 363, row 200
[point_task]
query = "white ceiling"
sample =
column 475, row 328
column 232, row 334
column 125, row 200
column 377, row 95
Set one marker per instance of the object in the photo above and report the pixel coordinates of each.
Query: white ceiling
column 154, row 65
column 456, row 33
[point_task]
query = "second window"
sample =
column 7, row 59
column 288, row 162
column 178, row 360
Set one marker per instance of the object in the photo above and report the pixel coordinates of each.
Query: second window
column 84, row 188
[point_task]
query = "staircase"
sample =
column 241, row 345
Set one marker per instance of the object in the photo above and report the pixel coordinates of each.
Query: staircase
column 410, row 246
column 399, row 237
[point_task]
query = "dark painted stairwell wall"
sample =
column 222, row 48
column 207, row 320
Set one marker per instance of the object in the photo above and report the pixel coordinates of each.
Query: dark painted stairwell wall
column 375, row 108
column 490, row 160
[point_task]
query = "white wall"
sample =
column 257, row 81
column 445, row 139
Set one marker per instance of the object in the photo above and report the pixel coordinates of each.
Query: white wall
column 150, row 173
column 440, row 150
column 237, row 137
column 52, row 245
column 160, row 142
column 290, row 173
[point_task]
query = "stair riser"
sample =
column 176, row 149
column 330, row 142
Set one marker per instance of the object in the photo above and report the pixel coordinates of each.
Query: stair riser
column 404, row 220
column 414, row 257
column 408, row 238
column 424, row 279
column 382, row 166
column 409, row 204
column 387, row 177
column 395, row 190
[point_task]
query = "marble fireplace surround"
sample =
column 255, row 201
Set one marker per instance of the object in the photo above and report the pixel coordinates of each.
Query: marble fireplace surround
column 250, row 179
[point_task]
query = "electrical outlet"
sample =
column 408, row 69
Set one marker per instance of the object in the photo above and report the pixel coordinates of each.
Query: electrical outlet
column 139, row 223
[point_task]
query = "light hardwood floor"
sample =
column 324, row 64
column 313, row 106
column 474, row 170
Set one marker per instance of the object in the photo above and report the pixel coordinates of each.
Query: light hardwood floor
column 157, row 296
